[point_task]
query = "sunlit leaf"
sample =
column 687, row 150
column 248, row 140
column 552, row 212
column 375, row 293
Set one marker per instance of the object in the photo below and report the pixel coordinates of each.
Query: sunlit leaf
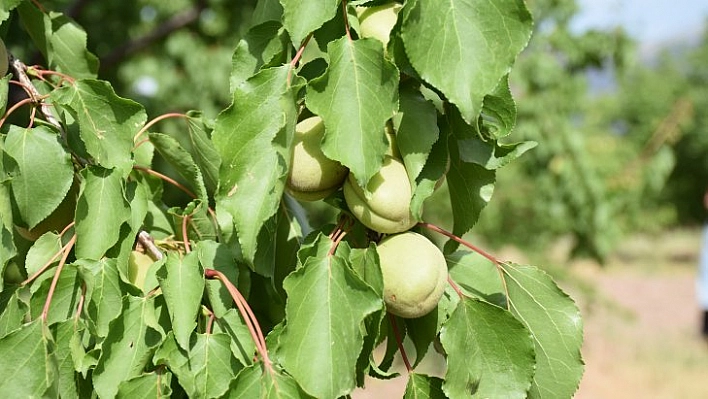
column 253, row 137
column 355, row 98
column 254, row 382
column 490, row 354
column 100, row 211
column 182, row 283
column 421, row 386
column 556, row 326
column 131, row 341
column 27, row 366
column 107, row 123
column 302, row 17
column 468, row 47
column 146, row 386
column 327, row 303
column 44, row 172
column 205, row 369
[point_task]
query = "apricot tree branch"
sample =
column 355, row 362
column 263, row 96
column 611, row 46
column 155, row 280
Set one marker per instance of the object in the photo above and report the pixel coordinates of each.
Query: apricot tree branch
column 177, row 22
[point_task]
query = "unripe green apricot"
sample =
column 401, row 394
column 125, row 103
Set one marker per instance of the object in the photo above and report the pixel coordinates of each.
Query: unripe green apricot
column 414, row 274
column 4, row 62
column 378, row 21
column 385, row 207
column 312, row 175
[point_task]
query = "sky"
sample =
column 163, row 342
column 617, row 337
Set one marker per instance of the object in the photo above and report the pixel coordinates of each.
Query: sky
column 651, row 22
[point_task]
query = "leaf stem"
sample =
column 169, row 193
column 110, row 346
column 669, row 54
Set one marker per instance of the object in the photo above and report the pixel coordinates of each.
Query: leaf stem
column 55, row 280
column 297, row 56
column 345, row 15
column 14, row 108
column 455, row 287
column 185, row 238
column 497, row 263
column 446, row 233
column 165, row 178
column 249, row 318
column 158, row 119
column 47, row 265
column 399, row 342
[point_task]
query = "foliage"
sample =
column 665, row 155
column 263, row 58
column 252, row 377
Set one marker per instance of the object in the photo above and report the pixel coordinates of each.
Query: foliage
column 607, row 125
column 232, row 293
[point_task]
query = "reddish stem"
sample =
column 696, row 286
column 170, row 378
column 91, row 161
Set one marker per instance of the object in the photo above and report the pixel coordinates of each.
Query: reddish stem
column 14, row 108
column 210, row 322
column 165, row 178
column 455, row 287
column 346, row 19
column 157, row 119
column 399, row 341
column 48, row 264
column 460, row 240
column 82, row 298
column 249, row 318
column 185, row 238
column 495, row 261
column 55, row 280
column 298, row 55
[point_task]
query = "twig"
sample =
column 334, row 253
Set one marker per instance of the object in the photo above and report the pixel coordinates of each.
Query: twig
column 21, row 73
column 177, row 22
column 146, row 240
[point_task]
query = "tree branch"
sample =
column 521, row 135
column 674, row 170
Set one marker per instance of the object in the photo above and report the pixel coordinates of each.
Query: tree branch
column 177, row 22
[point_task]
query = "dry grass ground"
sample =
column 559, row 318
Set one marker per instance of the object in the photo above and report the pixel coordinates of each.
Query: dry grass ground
column 641, row 322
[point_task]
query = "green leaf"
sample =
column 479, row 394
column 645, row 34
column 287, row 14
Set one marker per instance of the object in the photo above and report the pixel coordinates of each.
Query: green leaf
column 416, row 130
column 203, row 150
column 490, row 354
column 242, row 345
column 492, row 155
column 300, row 18
column 70, row 385
column 471, row 188
column 556, row 326
column 421, row 386
column 27, row 367
column 100, row 211
column 259, row 47
column 205, row 369
column 61, row 41
column 498, row 111
column 326, row 306
column 253, row 137
column 147, row 386
column 44, row 171
column 130, row 343
column 13, row 310
column 422, row 331
column 477, row 276
column 107, row 123
column 254, row 382
column 355, row 98
column 217, row 256
column 182, row 283
column 181, row 160
column 42, row 251
column 464, row 47
column 6, row 7
column 66, row 298
column 106, row 301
